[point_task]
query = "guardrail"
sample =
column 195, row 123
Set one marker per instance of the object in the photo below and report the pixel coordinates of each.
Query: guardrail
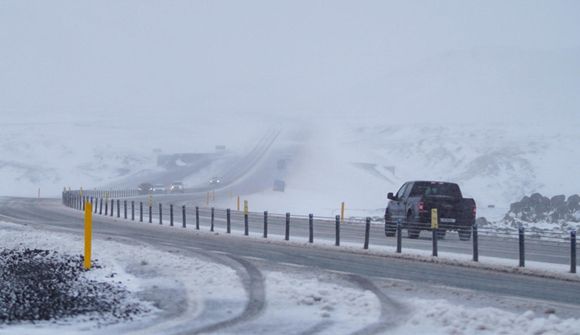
column 510, row 242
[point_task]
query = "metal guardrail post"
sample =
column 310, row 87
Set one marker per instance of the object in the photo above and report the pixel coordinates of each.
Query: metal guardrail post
column 337, row 230
column 96, row 205
column 106, row 208
column 367, row 232
column 197, row 217
column 132, row 210
column 125, row 209
column 150, row 214
column 118, row 208
column 475, row 243
column 287, row 228
column 171, row 215
column 228, row 221
column 265, row 224
column 522, row 247
column 101, row 207
column 112, row 206
column 183, row 216
column 140, row 211
column 246, row 225
column 573, row 251
column 160, row 213
column 399, row 237
column 212, row 219
column 310, row 228
column 435, row 242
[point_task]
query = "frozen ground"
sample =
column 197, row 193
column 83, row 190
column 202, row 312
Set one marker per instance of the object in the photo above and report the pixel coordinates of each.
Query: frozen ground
column 183, row 288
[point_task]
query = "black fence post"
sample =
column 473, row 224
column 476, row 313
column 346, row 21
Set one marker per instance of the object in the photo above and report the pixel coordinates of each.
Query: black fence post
column 310, row 228
column 118, row 208
column 125, row 209
column 197, row 217
column 337, row 230
column 140, row 211
column 265, row 224
column 367, row 232
column 112, row 206
column 150, row 214
column 96, row 205
column 573, row 251
column 475, row 243
column 183, row 215
column 132, row 210
column 435, row 242
column 522, row 247
column 399, row 237
column 212, row 219
column 160, row 213
column 106, row 207
column 287, row 230
column 228, row 221
column 246, row 225
column 101, row 207
column 84, row 200
column 171, row 215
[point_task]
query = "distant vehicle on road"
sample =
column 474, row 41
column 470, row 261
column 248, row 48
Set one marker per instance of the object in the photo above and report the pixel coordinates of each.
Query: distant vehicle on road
column 413, row 203
column 158, row 188
column 279, row 185
column 145, row 188
column 176, row 187
column 215, row 180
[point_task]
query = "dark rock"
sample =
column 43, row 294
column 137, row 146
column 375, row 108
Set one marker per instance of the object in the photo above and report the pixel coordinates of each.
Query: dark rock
column 558, row 201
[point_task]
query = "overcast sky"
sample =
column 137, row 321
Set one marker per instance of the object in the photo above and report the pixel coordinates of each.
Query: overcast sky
column 389, row 60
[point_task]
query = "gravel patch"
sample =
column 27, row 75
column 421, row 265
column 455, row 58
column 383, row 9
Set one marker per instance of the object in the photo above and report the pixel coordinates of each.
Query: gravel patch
column 43, row 285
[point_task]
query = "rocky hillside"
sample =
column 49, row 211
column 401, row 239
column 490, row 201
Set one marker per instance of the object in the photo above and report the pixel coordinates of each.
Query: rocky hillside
column 538, row 208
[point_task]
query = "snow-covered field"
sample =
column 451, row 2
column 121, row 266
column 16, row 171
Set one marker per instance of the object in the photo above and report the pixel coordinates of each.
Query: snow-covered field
column 295, row 299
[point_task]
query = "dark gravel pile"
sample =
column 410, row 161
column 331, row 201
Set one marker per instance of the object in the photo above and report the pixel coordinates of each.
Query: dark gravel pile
column 37, row 285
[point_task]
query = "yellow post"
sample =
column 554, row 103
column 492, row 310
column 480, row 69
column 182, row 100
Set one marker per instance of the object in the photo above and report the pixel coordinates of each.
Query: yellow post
column 245, row 206
column 342, row 212
column 434, row 219
column 238, row 203
column 88, row 234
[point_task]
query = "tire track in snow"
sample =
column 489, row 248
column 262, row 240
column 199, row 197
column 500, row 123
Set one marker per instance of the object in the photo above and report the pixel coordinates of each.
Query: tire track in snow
column 390, row 309
column 253, row 282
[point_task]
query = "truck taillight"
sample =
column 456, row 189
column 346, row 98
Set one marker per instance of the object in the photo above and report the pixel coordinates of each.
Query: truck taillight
column 421, row 206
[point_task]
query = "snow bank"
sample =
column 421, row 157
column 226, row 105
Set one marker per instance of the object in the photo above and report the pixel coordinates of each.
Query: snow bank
column 439, row 317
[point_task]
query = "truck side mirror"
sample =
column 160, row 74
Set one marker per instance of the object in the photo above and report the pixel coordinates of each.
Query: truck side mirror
column 390, row 196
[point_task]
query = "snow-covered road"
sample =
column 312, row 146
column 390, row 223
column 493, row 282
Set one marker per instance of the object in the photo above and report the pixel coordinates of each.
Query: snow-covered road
column 195, row 289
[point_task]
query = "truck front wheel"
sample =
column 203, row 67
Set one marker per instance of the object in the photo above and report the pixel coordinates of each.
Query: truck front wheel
column 413, row 230
column 390, row 226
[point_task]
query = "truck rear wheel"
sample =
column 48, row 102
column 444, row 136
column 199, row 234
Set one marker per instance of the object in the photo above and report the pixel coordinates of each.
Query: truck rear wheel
column 464, row 234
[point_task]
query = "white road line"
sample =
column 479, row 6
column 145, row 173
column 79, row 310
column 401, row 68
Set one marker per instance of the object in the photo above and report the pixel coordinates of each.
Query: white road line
column 254, row 258
column 293, row 265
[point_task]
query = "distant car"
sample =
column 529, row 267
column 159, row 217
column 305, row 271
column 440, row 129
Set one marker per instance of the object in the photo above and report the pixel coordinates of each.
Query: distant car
column 279, row 185
column 158, row 188
column 176, row 187
column 145, row 188
column 215, row 180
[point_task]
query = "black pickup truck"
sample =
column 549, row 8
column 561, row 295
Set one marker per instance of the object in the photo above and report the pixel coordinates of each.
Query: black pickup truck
column 412, row 205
